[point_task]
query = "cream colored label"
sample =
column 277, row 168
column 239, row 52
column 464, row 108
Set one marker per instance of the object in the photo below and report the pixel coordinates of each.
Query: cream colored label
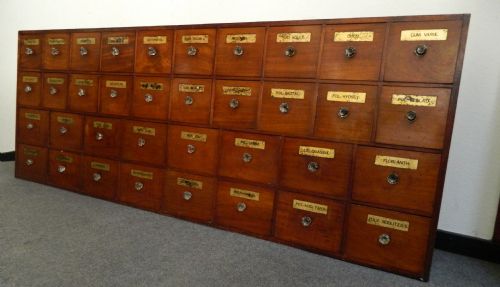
column 99, row 166
column 31, row 42
column 293, row 37
column 195, row 39
column 287, row 94
column 55, row 81
column 317, row 151
column 424, row 35
column 256, row 144
column 189, row 88
column 310, row 206
column 116, row 84
column 414, row 100
column 84, row 82
column 103, row 125
column 388, row 222
column 241, row 38
column 144, row 130
column 64, row 158
column 151, row 86
column 398, row 162
column 117, row 40
column 29, row 79
column 85, row 41
column 348, row 97
column 65, row 120
column 57, row 41
column 32, row 116
column 242, row 193
column 189, row 183
column 141, row 174
column 237, row 91
column 193, row 136
column 154, row 40
column 358, row 36
column 30, row 152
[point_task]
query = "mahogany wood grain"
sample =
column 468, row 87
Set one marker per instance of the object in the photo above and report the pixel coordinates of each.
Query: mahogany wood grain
column 30, row 51
column 33, row 127
column 66, row 131
column 91, row 43
column 65, row 169
column 124, row 41
column 54, row 91
column 31, row 162
column 119, row 104
column 141, row 186
column 144, row 142
column 29, row 86
column 102, row 137
column 155, row 88
column 161, row 62
column 89, row 86
column 100, row 177
column 191, row 106
column 201, row 63
column 59, row 60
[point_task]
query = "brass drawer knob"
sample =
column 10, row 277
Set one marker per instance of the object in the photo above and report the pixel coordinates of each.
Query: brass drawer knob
column 350, row 52
column 28, row 51
column 343, row 113
column 148, row 98
column 411, row 116
column 61, row 169
column 113, row 94
column 28, row 89
column 63, row 130
column 54, row 51
column 29, row 162
column 312, row 166
column 384, row 239
column 188, row 100
column 96, row 176
column 234, row 103
column 115, row 51
column 187, row 195
column 247, row 157
column 241, row 206
column 30, row 126
column 306, row 221
column 290, row 51
column 152, row 51
column 83, row 51
column 52, row 90
column 192, row 51
column 284, row 108
column 420, row 50
column 238, row 51
column 393, row 178
column 138, row 185
column 81, row 92
column 191, row 148
column 99, row 136
column 141, row 142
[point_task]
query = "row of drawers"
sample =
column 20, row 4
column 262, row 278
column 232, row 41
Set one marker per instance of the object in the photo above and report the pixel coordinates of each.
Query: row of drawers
column 416, row 51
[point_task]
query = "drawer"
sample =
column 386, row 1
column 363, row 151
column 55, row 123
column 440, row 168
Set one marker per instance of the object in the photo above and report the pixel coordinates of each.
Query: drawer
column 100, row 177
column 413, row 116
column 31, row 163
column 396, row 178
column 56, row 51
column 316, row 166
column 236, row 103
column 33, row 127
column 154, row 51
column 240, row 51
column 245, row 207
column 251, row 157
column 287, row 108
column 191, row 100
column 85, row 51
column 345, row 112
column 66, row 131
column 55, row 91
column 422, row 51
column 65, row 169
column 309, row 221
column 115, row 94
column 144, row 142
column 194, row 51
column 388, row 239
column 193, row 149
column 29, row 89
column 190, row 196
column 352, row 52
column 292, row 51
column 102, row 137
column 151, row 97
column 118, row 51
column 83, row 92
column 30, row 51
column 141, row 186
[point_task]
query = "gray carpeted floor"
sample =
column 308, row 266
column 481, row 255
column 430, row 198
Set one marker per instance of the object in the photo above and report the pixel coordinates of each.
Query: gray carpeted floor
column 51, row 237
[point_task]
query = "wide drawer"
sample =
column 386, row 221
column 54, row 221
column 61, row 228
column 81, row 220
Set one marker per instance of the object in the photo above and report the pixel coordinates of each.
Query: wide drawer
column 141, row 186
column 100, row 177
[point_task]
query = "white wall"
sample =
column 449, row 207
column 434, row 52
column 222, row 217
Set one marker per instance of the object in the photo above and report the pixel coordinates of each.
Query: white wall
column 473, row 182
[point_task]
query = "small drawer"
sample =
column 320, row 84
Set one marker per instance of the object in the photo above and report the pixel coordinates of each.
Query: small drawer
column 31, row 163
column 345, row 112
column 29, row 89
column 154, row 51
column 191, row 100
column 100, row 177
column 151, row 97
column 56, row 51
column 236, row 103
column 387, row 239
column 251, row 157
column 30, row 51
column 316, row 166
column 66, row 131
column 194, row 51
column 396, row 178
column 193, row 149
column 83, row 92
column 33, row 127
column 413, row 116
column 240, row 51
column 352, row 52
column 190, row 196
column 117, row 51
column 144, row 142
column 287, row 108
column 85, row 51
column 115, row 95
column 65, row 169
column 309, row 221
column 245, row 207
column 292, row 51
column 55, row 91
column 102, row 137
column 141, row 186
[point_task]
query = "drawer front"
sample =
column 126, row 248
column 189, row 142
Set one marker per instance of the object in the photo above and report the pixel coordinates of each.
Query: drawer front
column 56, row 51
column 245, row 207
column 55, row 90
column 83, row 92
column 115, row 94
column 144, row 142
column 413, row 116
column 309, row 221
column 30, row 51
column 236, row 103
column 100, row 177
column 316, row 166
column 422, row 51
column 191, row 99
column 194, row 51
column 387, row 239
column 66, row 131
column 190, row 196
column 85, row 51
column 287, row 108
column 345, row 112
column 154, row 51
column 117, row 51
column 352, row 52
column 193, row 149
column 29, row 89
column 31, row 163
column 151, row 97
column 240, row 51
column 33, row 127
column 141, row 186
column 102, row 137
column 65, row 169
column 292, row 51
column 396, row 178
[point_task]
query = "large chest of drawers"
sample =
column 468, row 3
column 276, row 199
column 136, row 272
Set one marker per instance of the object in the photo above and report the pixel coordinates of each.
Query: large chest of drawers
column 327, row 135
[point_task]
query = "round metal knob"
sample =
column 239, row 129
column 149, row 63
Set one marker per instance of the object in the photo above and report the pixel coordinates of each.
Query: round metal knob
column 63, row 130
column 30, row 126
column 141, row 142
column 306, row 221
column 312, row 166
column 247, row 157
column 234, row 103
column 241, row 206
column 192, row 51
column 83, row 51
column 191, row 148
column 99, row 136
column 52, row 90
column 96, row 176
column 393, row 178
column 138, row 185
column 187, row 195
column 290, row 51
column 188, row 100
column 29, row 162
column 148, row 98
column 28, row 89
column 350, row 52
column 411, row 116
column 61, row 169
column 28, row 51
column 420, row 50
column 113, row 94
column 81, row 92
column 238, row 51
column 115, row 51
column 343, row 113
column 54, row 51
column 284, row 108
column 152, row 51
column 384, row 239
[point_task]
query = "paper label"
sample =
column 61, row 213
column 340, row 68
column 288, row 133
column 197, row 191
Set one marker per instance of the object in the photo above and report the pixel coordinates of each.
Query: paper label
column 189, row 183
column 103, row 125
column 151, row 86
column 57, row 41
column 189, row 88
column 242, row 193
column 193, row 136
column 249, row 143
column 116, row 84
column 388, row 222
column 30, row 152
column 55, row 81
column 241, row 38
column 65, row 120
column 424, row 35
column 64, row 158
column 237, row 91
column 195, row 39
column 117, row 40
column 84, row 82
column 154, row 40
column 310, row 206
column 31, row 42
column 347, row 97
column 29, row 79
column 141, row 174
column 99, row 166
column 414, row 100
column 32, row 116
column 293, row 37
column 287, row 94
column 317, row 151
column 358, row 36
column 397, row 162
column 85, row 41
column 144, row 130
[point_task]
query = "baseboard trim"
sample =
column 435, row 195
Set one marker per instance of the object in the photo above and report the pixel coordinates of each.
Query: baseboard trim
column 8, row 156
column 468, row 246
